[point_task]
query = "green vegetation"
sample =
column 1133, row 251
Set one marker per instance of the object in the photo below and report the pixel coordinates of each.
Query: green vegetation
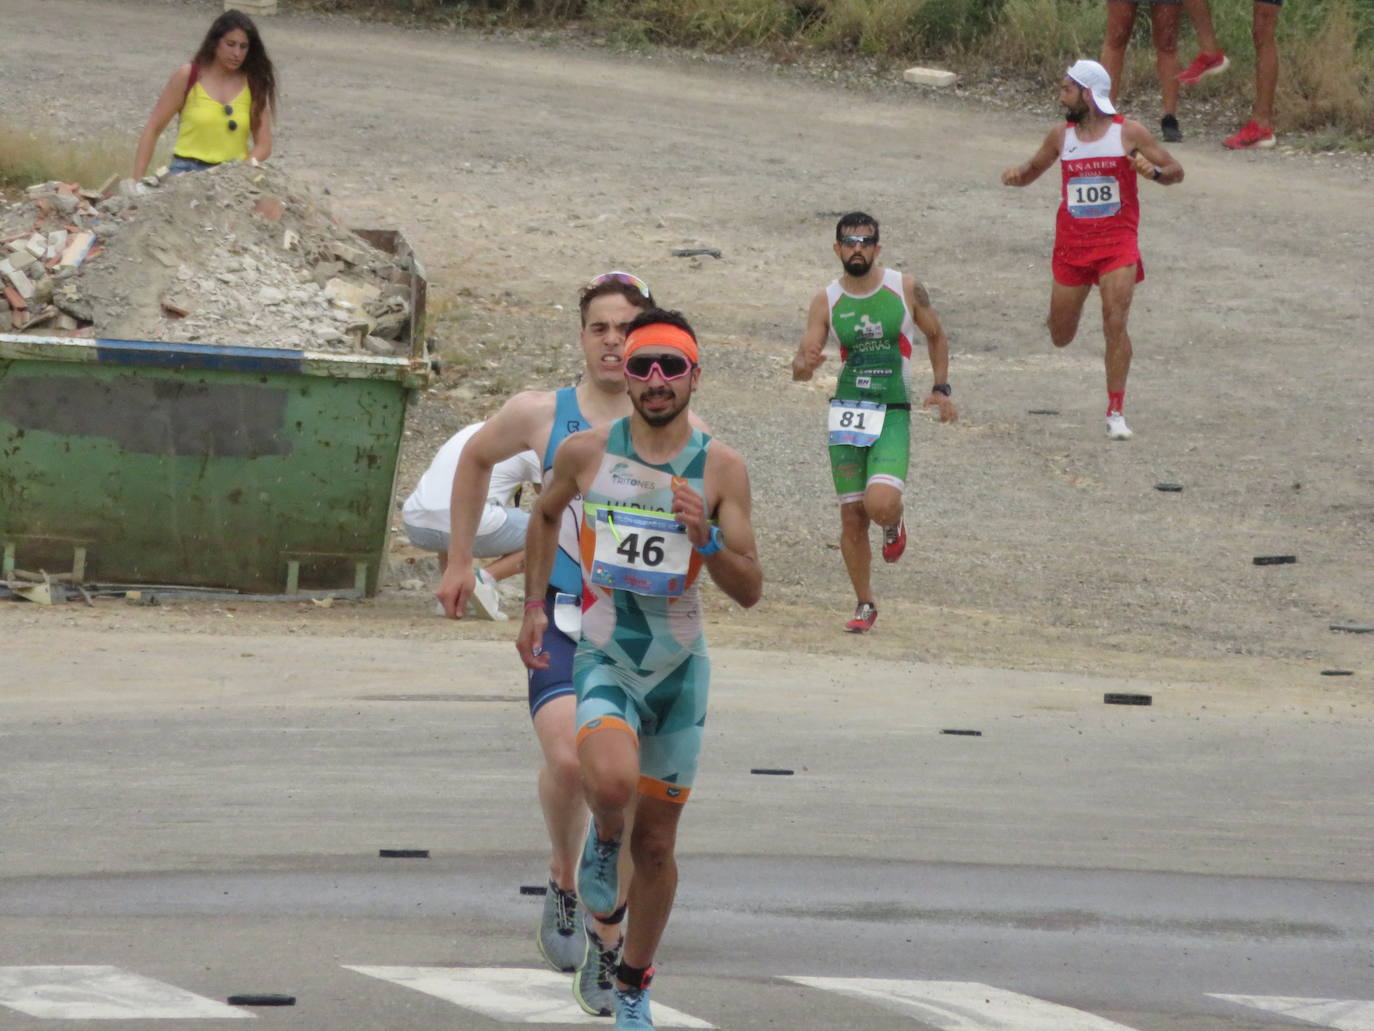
column 1326, row 81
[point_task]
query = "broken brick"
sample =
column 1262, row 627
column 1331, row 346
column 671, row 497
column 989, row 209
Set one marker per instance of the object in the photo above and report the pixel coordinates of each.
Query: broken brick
column 22, row 285
column 270, row 208
column 77, row 250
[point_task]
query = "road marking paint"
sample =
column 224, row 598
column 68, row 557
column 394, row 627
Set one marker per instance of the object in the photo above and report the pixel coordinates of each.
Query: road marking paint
column 1342, row 1014
column 102, row 993
column 963, row 1005
column 513, row 995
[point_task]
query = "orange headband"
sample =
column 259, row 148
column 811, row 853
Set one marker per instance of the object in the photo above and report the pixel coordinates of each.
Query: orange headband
column 661, row 334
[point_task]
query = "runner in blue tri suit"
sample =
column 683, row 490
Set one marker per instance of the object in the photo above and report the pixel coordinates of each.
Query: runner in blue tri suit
column 540, row 420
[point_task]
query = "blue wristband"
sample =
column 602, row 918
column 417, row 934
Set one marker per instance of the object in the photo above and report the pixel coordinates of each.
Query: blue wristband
column 713, row 545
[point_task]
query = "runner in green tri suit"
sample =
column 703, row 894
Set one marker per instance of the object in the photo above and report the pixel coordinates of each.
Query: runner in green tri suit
column 871, row 314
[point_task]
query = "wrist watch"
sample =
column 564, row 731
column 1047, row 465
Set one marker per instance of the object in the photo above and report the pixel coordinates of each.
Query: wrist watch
column 941, row 388
column 713, row 545
column 1155, row 172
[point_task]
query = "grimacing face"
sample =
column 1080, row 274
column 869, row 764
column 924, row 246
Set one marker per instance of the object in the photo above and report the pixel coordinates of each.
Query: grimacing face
column 603, row 337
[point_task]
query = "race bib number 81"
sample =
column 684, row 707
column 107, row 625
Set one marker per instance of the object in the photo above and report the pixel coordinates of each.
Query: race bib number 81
column 638, row 551
column 1096, row 196
column 856, row 422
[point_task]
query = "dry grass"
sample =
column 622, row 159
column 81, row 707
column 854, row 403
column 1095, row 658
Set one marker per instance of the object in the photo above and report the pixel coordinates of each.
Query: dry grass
column 1325, row 80
column 33, row 156
column 713, row 24
column 1326, row 46
column 872, row 27
column 1036, row 36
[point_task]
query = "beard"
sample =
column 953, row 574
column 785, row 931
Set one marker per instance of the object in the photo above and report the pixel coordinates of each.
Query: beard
column 858, row 265
column 662, row 418
column 1076, row 114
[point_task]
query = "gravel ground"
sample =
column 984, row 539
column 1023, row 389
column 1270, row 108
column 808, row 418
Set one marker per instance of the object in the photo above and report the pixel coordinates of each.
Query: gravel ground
column 518, row 169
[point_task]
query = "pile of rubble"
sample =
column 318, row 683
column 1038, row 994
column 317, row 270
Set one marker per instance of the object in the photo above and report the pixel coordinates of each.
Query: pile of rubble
column 237, row 255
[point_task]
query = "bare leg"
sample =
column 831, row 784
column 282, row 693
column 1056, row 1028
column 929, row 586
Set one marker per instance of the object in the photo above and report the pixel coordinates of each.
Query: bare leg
column 854, row 547
column 1200, row 14
column 655, row 883
column 608, row 762
column 1120, row 19
column 1066, row 306
column 1117, row 288
column 1164, row 31
column 507, row 565
column 883, row 505
column 1263, row 27
column 560, row 787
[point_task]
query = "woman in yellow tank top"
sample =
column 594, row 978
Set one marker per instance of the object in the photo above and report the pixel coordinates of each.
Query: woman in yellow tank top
column 226, row 96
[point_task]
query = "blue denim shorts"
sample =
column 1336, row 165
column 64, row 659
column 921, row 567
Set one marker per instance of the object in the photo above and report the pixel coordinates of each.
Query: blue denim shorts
column 181, row 165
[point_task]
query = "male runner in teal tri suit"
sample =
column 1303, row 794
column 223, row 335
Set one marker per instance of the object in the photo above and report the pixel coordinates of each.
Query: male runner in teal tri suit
column 662, row 501
column 871, row 314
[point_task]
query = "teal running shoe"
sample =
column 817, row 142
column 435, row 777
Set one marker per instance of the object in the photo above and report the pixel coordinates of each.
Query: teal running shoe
column 632, row 1010
column 597, row 877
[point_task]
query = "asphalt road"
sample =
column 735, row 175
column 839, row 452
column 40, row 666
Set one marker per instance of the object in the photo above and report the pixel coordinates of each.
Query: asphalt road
column 200, row 812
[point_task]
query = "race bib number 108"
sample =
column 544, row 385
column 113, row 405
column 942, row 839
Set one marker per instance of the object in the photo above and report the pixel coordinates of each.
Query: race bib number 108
column 1096, row 196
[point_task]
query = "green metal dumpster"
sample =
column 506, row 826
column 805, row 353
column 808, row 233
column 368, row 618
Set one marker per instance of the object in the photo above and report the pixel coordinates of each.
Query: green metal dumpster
column 257, row 470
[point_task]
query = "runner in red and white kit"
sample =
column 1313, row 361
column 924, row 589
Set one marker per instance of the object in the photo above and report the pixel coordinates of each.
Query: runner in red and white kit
column 1096, row 242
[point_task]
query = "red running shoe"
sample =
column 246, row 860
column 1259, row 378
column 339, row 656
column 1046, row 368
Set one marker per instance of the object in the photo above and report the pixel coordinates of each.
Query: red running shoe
column 865, row 615
column 1203, row 65
column 1251, row 137
column 894, row 541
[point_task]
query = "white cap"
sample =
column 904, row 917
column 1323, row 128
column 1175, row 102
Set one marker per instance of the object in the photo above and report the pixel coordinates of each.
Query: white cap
column 1094, row 78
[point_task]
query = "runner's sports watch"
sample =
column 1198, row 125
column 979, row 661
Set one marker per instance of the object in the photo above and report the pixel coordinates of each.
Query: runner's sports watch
column 716, row 542
column 941, row 388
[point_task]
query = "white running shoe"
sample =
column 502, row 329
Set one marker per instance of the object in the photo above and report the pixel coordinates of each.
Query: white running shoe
column 486, row 601
column 1117, row 428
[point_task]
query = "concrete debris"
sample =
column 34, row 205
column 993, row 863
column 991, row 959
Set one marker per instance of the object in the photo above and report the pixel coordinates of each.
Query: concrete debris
column 241, row 255
column 938, row 77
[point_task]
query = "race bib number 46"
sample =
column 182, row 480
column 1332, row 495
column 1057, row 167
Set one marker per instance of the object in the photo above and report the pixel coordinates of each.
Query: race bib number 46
column 856, row 422
column 1096, row 196
column 638, row 551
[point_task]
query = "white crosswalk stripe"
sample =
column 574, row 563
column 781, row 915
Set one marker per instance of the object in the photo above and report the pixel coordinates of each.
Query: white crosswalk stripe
column 102, row 993
column 963, row 1005
column 1341, row 1014
column 513, row 995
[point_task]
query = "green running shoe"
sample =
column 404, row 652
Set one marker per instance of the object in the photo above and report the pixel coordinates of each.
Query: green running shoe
column 594, row 982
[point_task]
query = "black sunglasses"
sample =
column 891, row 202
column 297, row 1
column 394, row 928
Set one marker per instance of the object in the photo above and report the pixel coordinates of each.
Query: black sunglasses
column 858, row 240
column 229, row 110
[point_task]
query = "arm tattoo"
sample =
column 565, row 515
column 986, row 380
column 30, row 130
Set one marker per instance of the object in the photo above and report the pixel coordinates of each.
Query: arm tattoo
column 922, row 295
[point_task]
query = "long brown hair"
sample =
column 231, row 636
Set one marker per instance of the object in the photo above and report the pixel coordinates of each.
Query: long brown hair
column 257, row 66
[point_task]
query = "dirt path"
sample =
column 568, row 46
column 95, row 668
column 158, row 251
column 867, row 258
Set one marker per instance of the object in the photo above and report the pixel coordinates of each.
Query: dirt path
column 517, row 171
